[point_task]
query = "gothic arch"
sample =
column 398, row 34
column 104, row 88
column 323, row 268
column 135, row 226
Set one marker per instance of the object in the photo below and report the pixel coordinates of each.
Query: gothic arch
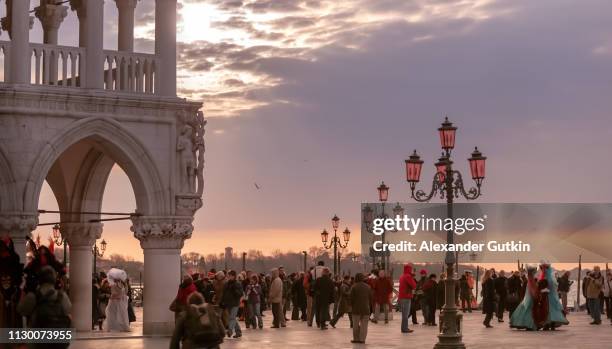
column 114, row 142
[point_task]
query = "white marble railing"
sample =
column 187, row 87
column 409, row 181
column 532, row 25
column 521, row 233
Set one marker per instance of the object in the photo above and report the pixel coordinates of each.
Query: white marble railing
column 130, row 72
column 57, row 65
column 64, row 66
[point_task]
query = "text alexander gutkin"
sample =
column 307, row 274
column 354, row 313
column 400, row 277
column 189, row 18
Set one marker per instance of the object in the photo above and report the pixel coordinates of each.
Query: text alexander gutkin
column 430, row 246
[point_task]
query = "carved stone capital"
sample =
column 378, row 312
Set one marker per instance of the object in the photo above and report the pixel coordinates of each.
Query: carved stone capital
column 126, row 4
column 162, row 232
column 18, row 225
column 81, row 234
column 5, row 23
column 187, row 205
column 51, row 16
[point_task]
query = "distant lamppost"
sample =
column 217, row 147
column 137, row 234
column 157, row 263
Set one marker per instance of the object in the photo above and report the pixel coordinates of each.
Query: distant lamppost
column 368, row 217
column 383, row 196
column 336, row 242
column 98, row 252
column 244, row 254
column 305, row 261
column 447, row 183
column 58, row 239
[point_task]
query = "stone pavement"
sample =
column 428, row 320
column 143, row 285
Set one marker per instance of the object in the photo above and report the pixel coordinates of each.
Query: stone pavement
column 579, row 334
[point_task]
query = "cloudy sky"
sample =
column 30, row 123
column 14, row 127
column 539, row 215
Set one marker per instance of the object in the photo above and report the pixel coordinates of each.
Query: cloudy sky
column 317, row 101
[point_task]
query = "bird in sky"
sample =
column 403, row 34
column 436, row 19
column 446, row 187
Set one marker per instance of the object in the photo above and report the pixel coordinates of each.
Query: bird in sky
column 256, row 186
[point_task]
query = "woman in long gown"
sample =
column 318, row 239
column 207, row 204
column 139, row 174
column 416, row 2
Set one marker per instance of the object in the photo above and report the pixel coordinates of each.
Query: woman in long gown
column 556, row 316
column 522, row 318
column 117, row 308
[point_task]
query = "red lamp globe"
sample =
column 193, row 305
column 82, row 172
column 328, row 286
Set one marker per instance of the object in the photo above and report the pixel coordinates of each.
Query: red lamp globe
column 335, row 222
column 447, row 134
column 346, row 234
column 324, row 236
column 383, row 192
column 413, row 168
column 441, row 165
column 477, row 165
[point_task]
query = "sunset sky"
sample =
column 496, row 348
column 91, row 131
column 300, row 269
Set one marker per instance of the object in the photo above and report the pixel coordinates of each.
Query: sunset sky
column 317, row 101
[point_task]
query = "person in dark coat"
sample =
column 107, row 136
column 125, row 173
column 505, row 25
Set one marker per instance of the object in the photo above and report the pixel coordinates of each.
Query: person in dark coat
column 299, row 297
column 95, row 301
column 501, row 289
column 360, row 297
column 10, row 279
column 514, row 292
column 324, row 295
column 430, row 296
column 344, row 302
column 465, row 294
column 232, row 293
column 488, row 297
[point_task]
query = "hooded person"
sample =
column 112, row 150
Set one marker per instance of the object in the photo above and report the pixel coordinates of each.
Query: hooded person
column 407, row 286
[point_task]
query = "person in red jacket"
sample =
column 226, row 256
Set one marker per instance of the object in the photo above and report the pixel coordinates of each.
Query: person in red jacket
column 383, row 288
column 407, row 285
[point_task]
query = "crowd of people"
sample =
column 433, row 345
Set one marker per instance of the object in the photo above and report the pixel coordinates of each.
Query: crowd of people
column 532, row 300
column 35, row 292
column 212, row 306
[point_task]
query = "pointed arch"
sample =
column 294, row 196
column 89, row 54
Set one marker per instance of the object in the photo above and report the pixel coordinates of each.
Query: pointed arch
column 112, row 141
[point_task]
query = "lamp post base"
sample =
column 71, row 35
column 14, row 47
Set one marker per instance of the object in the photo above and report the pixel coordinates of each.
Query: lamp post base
column 450, row 318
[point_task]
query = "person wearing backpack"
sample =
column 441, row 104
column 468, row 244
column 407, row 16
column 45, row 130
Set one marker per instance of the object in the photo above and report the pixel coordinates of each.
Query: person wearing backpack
column 47, row 307
column 198, row 327
column 232, row 293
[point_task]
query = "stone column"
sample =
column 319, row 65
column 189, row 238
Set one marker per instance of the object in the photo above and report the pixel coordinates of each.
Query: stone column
column 17, row 226
column 51, row 17
column 81, row 237
column 165, row 47
column 91, row 28
column 20, row 41
column 126, row 24
column 162, row 240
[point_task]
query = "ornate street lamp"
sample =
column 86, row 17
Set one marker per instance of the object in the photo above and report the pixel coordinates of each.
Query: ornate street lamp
column 398, row 210
column 447, row 183
column 383, row 192
column 336, row 241
column 58, row 239
column 98, row 252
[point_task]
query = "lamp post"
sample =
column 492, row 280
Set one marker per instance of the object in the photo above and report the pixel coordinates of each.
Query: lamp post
column 244, row 254
column 58, row 239
column 368, row 217
column 305, row 261
column 98, row 252
column 335, row 242
column 447, row 183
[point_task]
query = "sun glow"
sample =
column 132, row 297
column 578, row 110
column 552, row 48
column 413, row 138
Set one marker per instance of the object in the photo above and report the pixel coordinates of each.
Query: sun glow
column 195, row 23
